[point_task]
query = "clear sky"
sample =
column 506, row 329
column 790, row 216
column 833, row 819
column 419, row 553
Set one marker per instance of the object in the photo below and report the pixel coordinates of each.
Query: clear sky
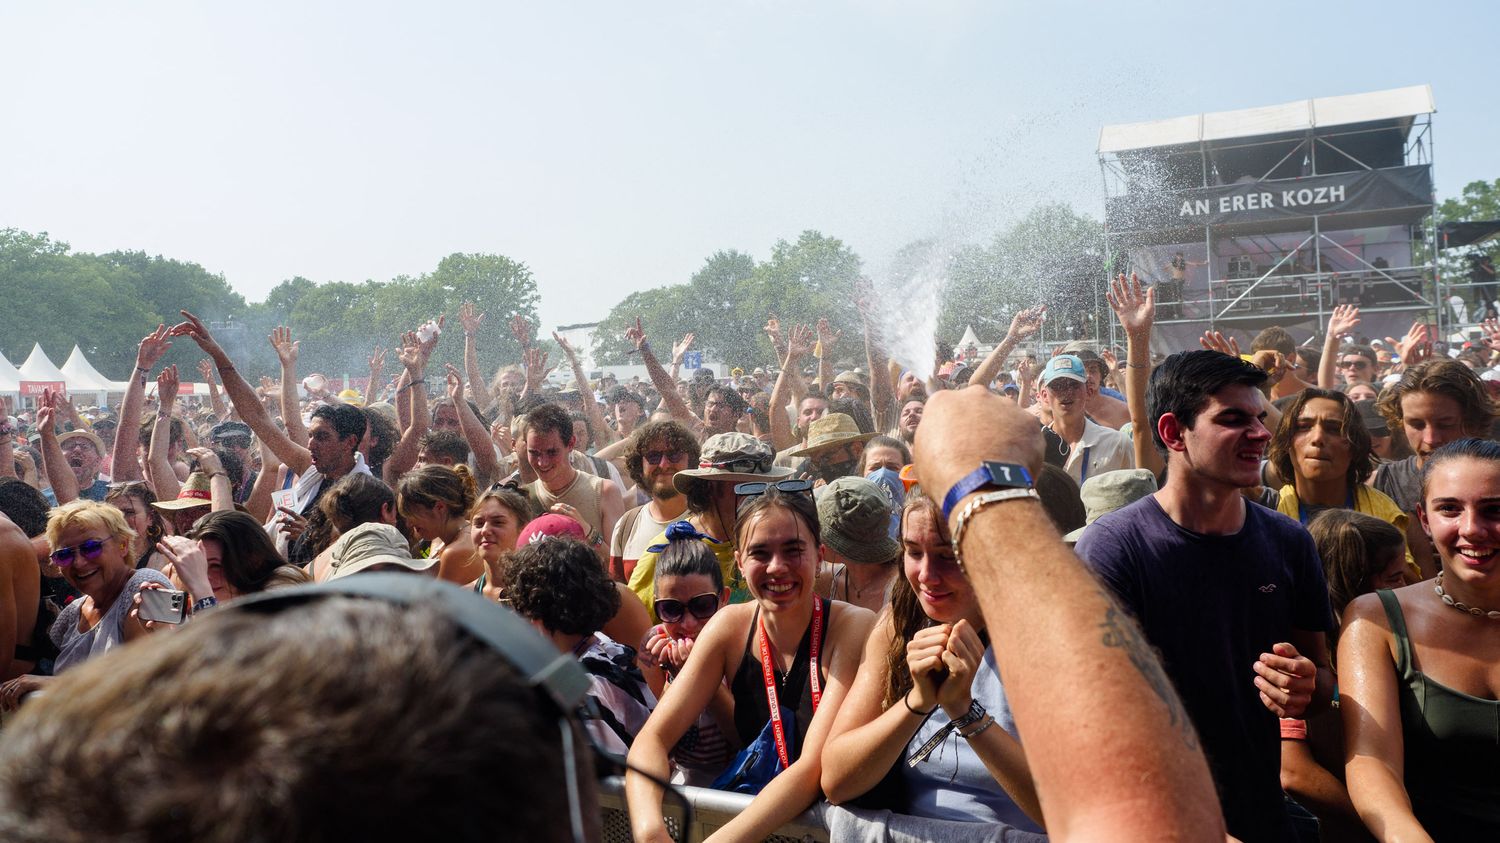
column 614, row 146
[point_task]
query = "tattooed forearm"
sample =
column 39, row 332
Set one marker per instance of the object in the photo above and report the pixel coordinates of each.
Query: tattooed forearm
column 1121, row 631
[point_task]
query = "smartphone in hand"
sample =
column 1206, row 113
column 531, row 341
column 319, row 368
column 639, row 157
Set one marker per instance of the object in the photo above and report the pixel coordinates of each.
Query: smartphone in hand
column 163, row 605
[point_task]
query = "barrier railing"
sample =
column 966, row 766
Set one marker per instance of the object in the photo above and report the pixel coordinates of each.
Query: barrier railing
column 712, row 809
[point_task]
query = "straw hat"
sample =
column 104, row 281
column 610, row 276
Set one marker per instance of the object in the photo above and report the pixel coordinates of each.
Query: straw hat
column 831, row 431
column 194, row 493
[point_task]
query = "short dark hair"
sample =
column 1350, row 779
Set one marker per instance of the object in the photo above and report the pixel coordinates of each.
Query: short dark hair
column 1362, row 350
column 1183, row 384
column 1275, row 338
column 347, row 420
column 677, row 437
column 545, row 417
column 24, row 505
column 689, row 557
column 883, row 441
column 729, row 396
column 386, row 436
column 623, row 393
column 1361, row 456
column 559, row 583
column 445, row 443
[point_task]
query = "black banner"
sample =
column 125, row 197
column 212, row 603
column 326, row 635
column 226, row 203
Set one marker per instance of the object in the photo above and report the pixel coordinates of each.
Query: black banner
column 1365, row 190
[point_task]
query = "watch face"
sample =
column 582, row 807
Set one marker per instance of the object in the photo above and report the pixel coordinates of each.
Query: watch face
column 1008, row 474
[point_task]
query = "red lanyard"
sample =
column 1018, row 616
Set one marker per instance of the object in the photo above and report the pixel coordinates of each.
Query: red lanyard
column 812, row 675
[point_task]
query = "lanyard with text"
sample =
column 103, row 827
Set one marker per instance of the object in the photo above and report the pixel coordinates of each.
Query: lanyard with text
column 812, row 676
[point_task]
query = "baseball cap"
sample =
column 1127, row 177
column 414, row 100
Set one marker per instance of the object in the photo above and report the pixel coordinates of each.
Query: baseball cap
column 1068, row 366
column 550, row 524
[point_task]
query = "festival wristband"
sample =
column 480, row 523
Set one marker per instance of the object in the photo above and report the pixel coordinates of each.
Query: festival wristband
column 1001, row 475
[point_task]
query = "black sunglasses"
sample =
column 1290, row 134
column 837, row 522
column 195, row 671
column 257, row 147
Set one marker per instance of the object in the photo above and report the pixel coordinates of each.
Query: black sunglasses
column 658, row 457
column 702, row 607
column 64, row 556
column 758, row 487
column 748, row 465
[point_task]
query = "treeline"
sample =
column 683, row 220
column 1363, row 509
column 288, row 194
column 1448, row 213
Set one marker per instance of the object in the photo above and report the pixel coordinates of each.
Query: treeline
column 106, row 302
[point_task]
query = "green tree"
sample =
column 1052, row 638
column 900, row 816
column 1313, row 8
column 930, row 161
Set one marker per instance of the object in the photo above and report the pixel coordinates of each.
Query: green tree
column 1480, row 200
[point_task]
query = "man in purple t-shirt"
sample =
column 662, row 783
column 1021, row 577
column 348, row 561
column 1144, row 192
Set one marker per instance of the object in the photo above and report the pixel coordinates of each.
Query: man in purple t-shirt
column 1231, row 594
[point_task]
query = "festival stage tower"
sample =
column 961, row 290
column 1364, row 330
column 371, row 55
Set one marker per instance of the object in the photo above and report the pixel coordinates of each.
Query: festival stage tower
column 1274, row 215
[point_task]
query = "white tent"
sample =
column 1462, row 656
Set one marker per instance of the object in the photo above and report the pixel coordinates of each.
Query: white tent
column 969, row 338
column 38, row 368
column 84, row 378
column 10, row 378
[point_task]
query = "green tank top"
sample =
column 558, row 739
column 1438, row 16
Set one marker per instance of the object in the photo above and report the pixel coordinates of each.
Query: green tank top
column 1452, row 748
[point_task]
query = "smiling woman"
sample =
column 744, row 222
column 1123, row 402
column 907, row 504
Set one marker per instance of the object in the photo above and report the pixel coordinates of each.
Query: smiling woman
column 90, row 543
column 1424, row 656
column 788, row 651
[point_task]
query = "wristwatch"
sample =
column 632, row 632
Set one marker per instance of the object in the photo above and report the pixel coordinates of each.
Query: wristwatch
column 989, row 474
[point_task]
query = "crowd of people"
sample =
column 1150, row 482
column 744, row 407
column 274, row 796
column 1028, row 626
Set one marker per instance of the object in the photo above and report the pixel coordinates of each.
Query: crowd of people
column 1075, row 592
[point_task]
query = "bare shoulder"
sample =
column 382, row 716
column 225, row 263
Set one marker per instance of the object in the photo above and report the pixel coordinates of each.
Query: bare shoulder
column 850, row 625
column 1367, row 608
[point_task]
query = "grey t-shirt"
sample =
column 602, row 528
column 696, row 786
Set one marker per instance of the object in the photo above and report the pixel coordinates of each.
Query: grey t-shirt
column 1402, row 482
column 76, row 647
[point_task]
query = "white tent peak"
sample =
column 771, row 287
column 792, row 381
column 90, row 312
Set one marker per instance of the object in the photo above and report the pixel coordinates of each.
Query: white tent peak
column 10, row 376
column 82, row 376
column 969, row 338
column 38, row 368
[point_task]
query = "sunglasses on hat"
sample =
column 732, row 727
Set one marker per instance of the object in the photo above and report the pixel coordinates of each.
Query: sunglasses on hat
column 701, row 607
column 746, row 490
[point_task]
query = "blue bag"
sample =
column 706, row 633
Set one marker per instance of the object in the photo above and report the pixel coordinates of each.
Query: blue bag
column 754, row 766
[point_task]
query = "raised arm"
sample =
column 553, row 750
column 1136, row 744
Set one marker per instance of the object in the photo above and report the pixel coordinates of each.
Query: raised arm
column 486, row 467
column 259, row 501
column 123, row 464
column 221, row 493
column 660, row 379
column 603, row 433
column 1067, row 653
column 1135, row 307
column 242, row 395
column 291, row 408
column 882, row 396
column 798, row 346
column 64, row 484
column 828, row 339
column 1345, row 318
column 1022, row 325
column 377, row 372
column 471, row 320
column 404, row 455
column 215, row 397
column 163, row 478
column 679, row 353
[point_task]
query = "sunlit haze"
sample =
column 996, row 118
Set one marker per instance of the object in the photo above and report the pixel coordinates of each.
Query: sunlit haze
column 613, row 147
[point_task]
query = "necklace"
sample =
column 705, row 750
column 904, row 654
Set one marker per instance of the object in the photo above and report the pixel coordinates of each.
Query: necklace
column 1473, row 610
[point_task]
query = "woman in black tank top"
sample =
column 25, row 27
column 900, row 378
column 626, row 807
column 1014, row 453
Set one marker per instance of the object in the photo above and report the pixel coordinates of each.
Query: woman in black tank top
column 777, row 550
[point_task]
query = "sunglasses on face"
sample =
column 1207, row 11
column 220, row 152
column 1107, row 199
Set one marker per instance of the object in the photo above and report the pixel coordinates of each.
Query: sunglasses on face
column 64, row 556
column 747, row 490
column 659, row 457
column 1354, row 364
column 701, row 607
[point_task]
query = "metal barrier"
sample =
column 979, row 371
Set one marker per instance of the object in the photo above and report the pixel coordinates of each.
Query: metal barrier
column 712, row 809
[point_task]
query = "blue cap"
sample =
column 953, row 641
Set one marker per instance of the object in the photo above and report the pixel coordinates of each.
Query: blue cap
column 1065, row 366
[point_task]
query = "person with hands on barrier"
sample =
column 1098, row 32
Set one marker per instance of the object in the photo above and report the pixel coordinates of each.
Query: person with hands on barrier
column 1109, row 750
column 916, row 730
column 788, row 656
column 690, row 590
